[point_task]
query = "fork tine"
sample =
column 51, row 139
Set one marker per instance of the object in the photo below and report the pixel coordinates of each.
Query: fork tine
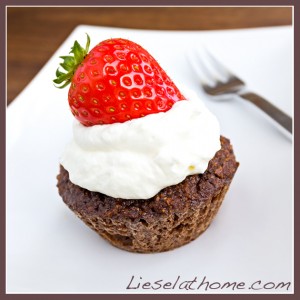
column 203, row 74
column 221, row 68
column 205, row 60
column 214, row 77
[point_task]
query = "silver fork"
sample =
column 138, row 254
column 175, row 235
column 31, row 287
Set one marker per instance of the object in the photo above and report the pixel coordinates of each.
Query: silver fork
column 217, row 80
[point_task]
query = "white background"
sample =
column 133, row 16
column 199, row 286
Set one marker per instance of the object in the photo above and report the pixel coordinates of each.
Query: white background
column 49, row 250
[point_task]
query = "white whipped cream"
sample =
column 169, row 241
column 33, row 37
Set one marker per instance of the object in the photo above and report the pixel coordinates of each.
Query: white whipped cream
column 138, row 158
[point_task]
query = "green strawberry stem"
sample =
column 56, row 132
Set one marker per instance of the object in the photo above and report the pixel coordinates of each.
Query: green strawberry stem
column 71, row 63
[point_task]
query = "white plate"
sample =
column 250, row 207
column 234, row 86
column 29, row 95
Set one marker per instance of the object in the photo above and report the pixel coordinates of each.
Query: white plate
column 49, row 250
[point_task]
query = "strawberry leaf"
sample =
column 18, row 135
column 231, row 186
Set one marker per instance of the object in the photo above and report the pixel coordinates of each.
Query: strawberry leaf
column 70, row 63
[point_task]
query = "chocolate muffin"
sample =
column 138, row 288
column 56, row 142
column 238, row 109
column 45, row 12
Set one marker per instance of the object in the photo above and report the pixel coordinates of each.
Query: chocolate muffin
column 175, row 216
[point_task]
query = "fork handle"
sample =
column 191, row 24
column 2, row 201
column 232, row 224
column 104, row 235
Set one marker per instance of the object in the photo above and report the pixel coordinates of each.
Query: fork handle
column 275, row 113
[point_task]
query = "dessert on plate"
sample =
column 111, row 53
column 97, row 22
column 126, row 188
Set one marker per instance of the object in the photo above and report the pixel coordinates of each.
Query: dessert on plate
column 147, row 168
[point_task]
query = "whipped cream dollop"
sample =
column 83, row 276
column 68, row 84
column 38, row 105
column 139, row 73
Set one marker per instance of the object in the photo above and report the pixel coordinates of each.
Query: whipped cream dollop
column 138, row 158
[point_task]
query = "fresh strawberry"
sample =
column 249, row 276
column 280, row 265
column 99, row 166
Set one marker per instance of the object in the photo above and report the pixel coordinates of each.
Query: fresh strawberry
column 116, row 81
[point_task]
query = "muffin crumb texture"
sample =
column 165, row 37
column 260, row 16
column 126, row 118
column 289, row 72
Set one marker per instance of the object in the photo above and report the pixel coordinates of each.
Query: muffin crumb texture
column 175, row 216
